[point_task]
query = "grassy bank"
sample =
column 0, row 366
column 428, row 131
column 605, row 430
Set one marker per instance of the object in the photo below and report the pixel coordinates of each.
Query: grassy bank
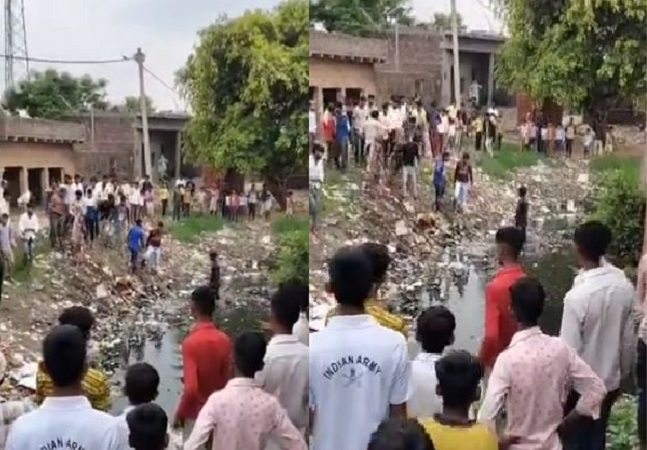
column 504, row 162
column 293, row 246
column 629, row 165
column 189, row 229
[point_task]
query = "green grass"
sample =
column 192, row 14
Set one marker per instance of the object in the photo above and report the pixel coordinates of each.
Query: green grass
column 283, row 225
column 24, row 272
column 505, row 161
column 630, row 165
column 188, row 230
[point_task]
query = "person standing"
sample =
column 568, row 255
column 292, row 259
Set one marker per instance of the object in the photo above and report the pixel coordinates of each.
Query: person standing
column 500, row 324
column 570, row 137
column 400, row 434
column 440, row 178
column 206, row 359
column 410, row 158
column 360, row 115
column 529, row 377
column 154, row 246
column 135, row 240
column 242, row 416
column 214, row 274
column 342, row 133
column 521, row 213
column 147, row 427
column 359, row 370
column 315, row 184
column 7, row 244
column 598, row 323
column 285, row 373
column 463, row 180
column 312, row 125
column 66, row 417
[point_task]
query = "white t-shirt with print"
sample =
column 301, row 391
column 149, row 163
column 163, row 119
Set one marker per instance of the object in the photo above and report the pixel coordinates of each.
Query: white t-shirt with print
column 66, row 422
column 358, row 368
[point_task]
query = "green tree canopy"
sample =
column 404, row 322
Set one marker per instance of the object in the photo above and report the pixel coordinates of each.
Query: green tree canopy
column 247, row 84
column 52, row 94
column 131, row 105
column 584, row 54
column 443, row 22
column 359, row 17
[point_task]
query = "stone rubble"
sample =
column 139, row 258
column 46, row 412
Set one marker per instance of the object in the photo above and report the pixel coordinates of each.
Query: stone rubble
column 426, row 246
column 129, row 310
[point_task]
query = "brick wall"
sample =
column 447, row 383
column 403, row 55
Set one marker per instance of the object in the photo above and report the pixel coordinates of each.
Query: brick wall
column 32, row 155
column 40, row 129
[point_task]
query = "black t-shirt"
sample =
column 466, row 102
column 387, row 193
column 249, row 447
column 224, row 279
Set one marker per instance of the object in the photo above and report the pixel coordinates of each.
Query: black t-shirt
column 409, row 154
column 521, row 215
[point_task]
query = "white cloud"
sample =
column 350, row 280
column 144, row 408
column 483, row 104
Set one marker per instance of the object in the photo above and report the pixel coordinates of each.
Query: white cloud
column 476, row 13
column 166, row 30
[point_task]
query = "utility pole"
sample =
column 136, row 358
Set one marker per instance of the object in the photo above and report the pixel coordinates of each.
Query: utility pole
column 397, row 46
column 139, row 59
column 457, row 67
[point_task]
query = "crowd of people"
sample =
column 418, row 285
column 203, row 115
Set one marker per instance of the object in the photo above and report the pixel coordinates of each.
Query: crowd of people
column 523, row 390
column 245, row 393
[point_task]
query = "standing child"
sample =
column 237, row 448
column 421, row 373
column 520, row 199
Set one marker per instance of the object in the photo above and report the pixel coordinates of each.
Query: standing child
column 290, row 204
column 242, row 207
column 440, row 175
column 228, row 214
column 163, row 195
column 187, row 198
column 459, row 375
column 135, row 241
column 201, row 200
column 252, row 199
column 214, row 275
column 588, row 142
column 235, row 204
column 213, row 201
column 463, row 179
column 148, row 428
column 154, row 246
column 521, row 214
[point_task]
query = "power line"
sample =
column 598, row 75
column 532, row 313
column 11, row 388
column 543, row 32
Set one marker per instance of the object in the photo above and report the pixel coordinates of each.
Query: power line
column 174, row 96
column 66, row 61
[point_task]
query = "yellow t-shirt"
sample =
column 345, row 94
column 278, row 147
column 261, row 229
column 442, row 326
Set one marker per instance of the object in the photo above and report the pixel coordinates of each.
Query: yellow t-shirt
column 478, row 125
column 474, row 437
column 162, row 194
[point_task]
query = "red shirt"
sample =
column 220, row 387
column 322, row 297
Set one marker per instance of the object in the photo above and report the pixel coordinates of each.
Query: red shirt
column 500, row 324
column 207, row 361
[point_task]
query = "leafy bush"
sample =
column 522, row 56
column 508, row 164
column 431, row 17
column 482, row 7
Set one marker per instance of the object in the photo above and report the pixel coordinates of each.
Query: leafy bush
column 292, row 257
column 622, row 433
column 286, row 224
column 617, row 201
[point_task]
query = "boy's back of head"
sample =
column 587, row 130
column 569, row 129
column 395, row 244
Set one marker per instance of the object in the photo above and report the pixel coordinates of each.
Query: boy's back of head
column 435, row 329
column 141, row 384
column 64, row 355
column 400, row 434
column 350, row 277
column 148, row 427
column 459, row 374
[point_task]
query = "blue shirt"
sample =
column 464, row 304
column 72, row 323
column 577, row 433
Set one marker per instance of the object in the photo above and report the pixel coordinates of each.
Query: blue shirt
column 439, row 172
column 135, row 238
column 342, row 127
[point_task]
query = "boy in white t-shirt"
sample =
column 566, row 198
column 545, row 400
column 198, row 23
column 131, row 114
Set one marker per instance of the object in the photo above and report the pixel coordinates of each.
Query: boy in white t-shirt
column 359, row 370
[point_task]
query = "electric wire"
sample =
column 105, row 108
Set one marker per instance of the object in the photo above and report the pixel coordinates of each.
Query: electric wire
column 32, row 59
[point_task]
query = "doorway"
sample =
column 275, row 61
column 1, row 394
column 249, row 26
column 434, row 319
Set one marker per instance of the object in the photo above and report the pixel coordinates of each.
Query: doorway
column 12, row 177
column 330, row 97
column 35, row 185
column 55, row 175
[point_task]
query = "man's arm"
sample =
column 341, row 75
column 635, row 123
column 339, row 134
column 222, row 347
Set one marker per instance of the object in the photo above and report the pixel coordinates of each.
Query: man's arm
column 203, row 428
column 489, row 346
column 629, row 340
column 285, row 432
column 190, row 377
column 498, row 387
column 228, row 363
column 587, row 384
column 400, row 383
column 571, row 323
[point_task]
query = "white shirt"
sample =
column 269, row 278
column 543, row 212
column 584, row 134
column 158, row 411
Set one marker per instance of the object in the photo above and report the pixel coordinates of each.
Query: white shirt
column 312, row 122
column 597, row 322
column 68, row 422
column 316, row 170
column 285, row 376
column 396, row 119
column 358, row 368
column 25, row 198
column 423, row 400
column 28, row 226
column 372, row 130
column 301, row 329
column 360, row 114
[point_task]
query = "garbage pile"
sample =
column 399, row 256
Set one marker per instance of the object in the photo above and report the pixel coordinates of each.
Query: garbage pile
column 420, row 240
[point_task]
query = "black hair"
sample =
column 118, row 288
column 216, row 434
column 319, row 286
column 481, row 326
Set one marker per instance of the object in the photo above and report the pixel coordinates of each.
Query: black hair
column 141, row 383
column 138, row 222
column 64, row 355
column 78, row 193
column 375, row 114
column 527, row 297
column 213, row 255
column 88, row 192
column 160, row 224
column 466, row 156
column 435, row 329
column 459, row 374
column 400, row 434
column 249, row 352
column 592, row 240
column 79, row 316
column 286, row 302
column 523, row 191
column 351, row 278
column 317, row 148
column 512, row 237
column 378, row 256
column 204, row 300
column 148, row 427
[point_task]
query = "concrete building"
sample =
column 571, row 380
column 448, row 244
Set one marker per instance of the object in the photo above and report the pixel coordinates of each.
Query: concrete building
column 34, row 152
column 343, row 66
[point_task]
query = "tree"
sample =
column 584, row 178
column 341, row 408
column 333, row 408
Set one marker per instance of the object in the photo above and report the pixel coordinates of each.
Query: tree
column 131, row 105
column 360, row 17
column 247, row 84
column 52, row 94
column 443, row 22
column 585, row 55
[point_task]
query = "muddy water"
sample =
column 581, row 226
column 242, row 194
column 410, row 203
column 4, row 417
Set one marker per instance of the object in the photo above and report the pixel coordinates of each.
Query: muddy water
column 164, row 354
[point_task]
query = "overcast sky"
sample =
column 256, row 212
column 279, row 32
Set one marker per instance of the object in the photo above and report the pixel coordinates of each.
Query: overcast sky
column 164, row 29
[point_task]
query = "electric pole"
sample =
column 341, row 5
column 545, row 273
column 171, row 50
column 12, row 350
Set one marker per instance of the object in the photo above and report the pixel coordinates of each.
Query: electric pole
column 397, row 46
column 139, row 59
column 457, row 67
